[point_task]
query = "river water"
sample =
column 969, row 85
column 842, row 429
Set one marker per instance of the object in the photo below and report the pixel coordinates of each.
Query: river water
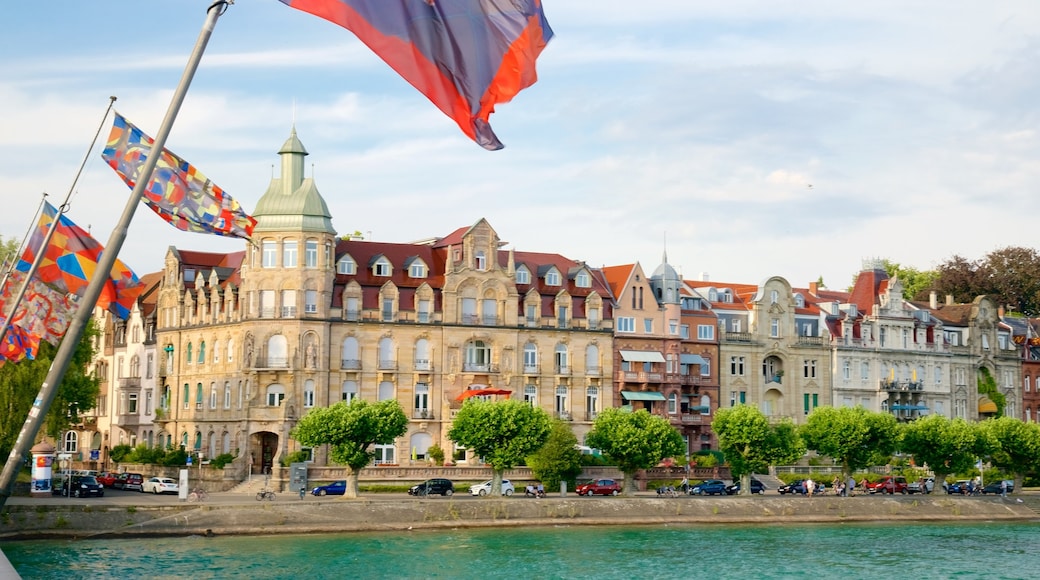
column 846, row 551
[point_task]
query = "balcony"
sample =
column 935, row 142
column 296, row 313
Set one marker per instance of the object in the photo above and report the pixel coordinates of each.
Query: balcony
column 593, row 371
column 809, row 341
column 272, row 362
column 489, row 320
column 387, row 365
column 422, row 414
column 479, row 368
column 737, row 337
column 351, row 316
column 894, row 386
column 422, row 364
column 563, row 370
column 562, row 415
column 350, row 364
column 470, row 319
column 694, row 380
column 531, row 369
column 694, row 418
column 130, row 383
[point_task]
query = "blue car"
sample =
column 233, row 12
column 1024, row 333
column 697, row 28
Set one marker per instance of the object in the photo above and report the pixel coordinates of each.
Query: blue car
column 709, row 487
column 334, row 488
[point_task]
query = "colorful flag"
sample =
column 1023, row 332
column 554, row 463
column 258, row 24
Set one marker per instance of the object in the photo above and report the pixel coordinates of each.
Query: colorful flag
column 178, row 192
column 17, row 345
column 70, row 261
column 465, row 55
column 44, row 313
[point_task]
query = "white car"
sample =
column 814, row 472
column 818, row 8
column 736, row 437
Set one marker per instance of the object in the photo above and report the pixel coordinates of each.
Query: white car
column 159, row 485
column 485, row 488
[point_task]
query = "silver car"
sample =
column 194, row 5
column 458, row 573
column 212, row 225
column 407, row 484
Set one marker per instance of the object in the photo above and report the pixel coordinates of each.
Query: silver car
column 485, row 488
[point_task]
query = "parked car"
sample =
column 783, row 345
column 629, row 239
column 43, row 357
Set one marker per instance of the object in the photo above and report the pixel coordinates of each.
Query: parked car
column 129, row 481
column 334, row 488
column 798, row 486
column 709, row 487
column 485, row 488
column 995, row 487
column 756, row 487
column 917, row 487
column 960, row 486
column 436, row 486
column 599, row 487
column 107, row 478
column 159, row 485
column 82, row 486
column 889, row 484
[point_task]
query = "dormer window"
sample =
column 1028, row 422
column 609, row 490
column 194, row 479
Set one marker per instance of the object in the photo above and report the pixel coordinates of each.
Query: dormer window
column 523, row 275
column 582, row 280
column 799, row 301
column 381, row 267
column 417, row 269
column 346, row 265
column 552, row 278
column 480, row 261
column 774, row 297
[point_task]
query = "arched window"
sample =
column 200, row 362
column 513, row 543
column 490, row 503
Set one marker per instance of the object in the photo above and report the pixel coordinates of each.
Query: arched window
column 422, row 355
column 213, row 395
column 387, row 358
column 231, row 350
column 530, row 358
column 673, row 403
column 308, row 392
column 188, row 358
column 592, row 359
column 202, row 352
column 198, row 440
column 187, row 395
column 349, row 355
column 560, row 359
column 135, row 366
column 227, row 395
column 198, row 396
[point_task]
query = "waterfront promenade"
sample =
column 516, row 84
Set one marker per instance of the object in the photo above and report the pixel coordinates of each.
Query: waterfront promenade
column 134, row 514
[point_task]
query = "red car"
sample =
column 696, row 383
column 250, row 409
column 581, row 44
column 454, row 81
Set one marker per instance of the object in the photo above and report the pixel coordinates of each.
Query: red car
column 107, row 478
column 888, row 484
column 599, row 487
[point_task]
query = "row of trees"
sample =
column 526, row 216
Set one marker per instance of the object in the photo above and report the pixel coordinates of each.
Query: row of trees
column 504, row 433
column 857, row 438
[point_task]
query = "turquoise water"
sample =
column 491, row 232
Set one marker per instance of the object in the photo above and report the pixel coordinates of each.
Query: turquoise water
column 796, row 551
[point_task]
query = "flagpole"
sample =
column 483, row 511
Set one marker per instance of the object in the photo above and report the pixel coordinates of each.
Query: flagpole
column 11, row 261
column 41, row 253
column 105, row 262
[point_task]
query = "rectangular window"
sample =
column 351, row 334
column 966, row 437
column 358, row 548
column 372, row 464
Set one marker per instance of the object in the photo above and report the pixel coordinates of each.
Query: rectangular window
column 774, row 328
column 846, row 371
column 289, row 251
column 267, row 304
column 673, row 327
column 734, row 325
column 148, row 402
column 422, row 400
column 531, row 395
column 706, row 368
column 417, row 270
column 311, row 254
column 809, row 369
column 308, row 396
column 388, row 309
column 351, row 312
column 685, row 332
column 736, row 366
column 648, row 325
column 532, row 315
column 626, row 324
column 424, row 311
column 288, row 303
column 132, row 404
column 310, row 301
column 864, row 371
column 561, row 402
column 270, row 254
column 384, row 454
column 806, row 400
column 561, row 319
column 705, row 332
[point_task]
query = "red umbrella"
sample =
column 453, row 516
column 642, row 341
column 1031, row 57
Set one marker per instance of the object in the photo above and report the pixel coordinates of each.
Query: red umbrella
column 481, row 392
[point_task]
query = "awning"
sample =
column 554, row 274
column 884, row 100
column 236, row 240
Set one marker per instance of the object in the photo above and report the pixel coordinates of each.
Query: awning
column 700, row 409
column 480, row 393
column 920, row 408
column 692, row 359
column 986, row 405
column 901, row 407
column 642, row 396
column 642, row 356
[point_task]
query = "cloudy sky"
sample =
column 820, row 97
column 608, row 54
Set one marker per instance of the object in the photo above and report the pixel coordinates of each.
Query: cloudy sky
column 754, row 138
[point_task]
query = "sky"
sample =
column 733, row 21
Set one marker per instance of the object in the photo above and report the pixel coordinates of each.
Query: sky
column 747, row 138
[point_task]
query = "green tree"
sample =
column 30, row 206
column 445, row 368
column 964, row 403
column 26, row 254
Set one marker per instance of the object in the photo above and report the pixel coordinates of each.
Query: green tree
column 751, row 444
column 502, row 432
column 351, row 430
column 1014, row 445
column 634, row 441
column 558, row 460
column 1011, row 275
column 8, row 249
column 852, row 436
column 20, row 384
column 945, row 445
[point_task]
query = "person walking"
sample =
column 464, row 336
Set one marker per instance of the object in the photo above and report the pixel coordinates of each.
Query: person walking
column 851, row 487
column 1003, row 488
column 810, row 487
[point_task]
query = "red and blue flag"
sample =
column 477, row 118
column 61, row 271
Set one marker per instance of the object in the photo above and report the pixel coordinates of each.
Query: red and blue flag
column 465, row 55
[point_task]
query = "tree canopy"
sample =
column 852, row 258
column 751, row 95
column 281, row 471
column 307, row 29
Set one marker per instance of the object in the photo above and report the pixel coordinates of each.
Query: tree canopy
column 751, row 444
column 634, row 440
column 20, row 384
column 944, row 445
column 852, row 436
column 558, row 460
column 1011, row 275
column 1014, row 445
column 350, row 430
column 504, row 433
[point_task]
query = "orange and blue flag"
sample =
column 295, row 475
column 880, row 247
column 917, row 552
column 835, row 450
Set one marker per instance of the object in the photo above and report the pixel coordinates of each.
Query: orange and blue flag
column 465, row 55
column 70, row 260
column 177, row 191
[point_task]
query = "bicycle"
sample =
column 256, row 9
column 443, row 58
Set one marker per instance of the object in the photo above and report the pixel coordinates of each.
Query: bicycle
column 265, row 494
column 197, row 494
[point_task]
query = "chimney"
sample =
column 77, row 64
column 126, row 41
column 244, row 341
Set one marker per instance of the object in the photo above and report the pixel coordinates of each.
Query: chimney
column 704, row 277
column 949, row 299
column 814, row 288
column 933, row 300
